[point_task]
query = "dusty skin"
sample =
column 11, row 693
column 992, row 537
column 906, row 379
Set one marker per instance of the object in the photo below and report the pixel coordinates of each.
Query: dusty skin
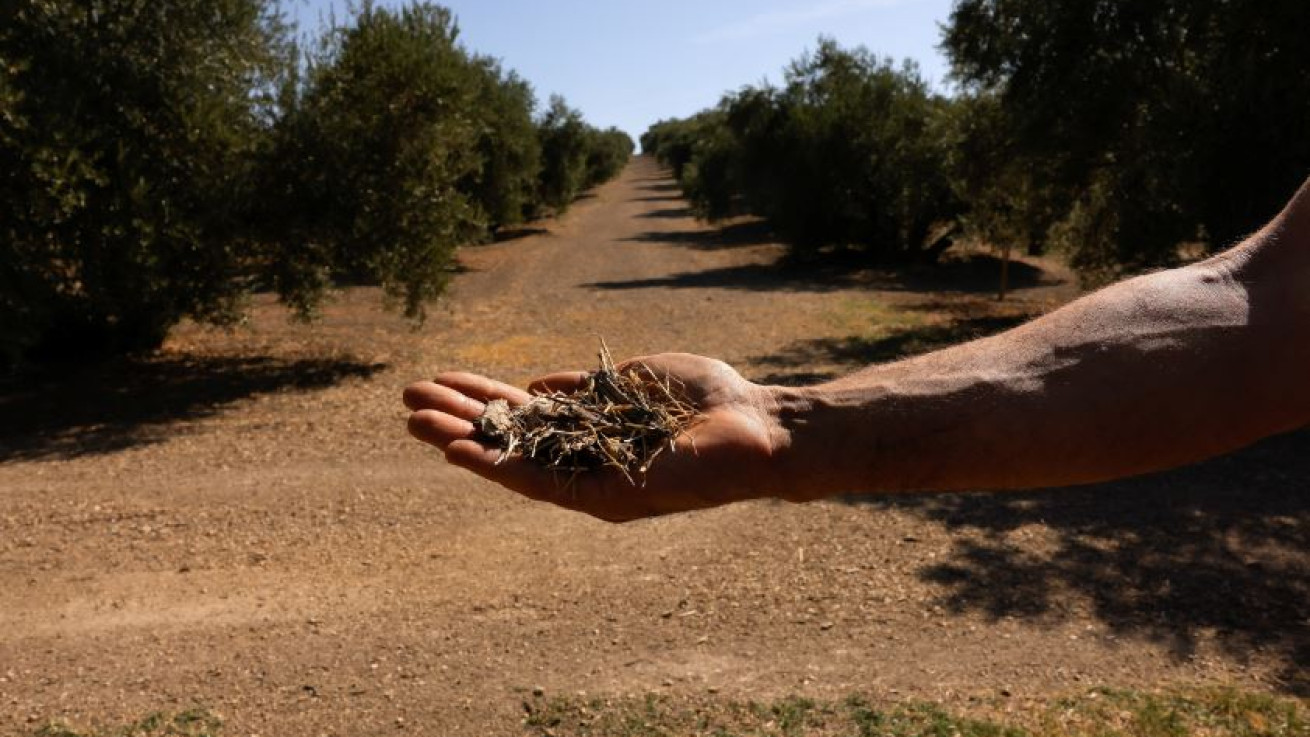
column 244, row 522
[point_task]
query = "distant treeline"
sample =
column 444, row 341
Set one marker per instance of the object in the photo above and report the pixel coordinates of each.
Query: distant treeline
column 1116, row 131
column 162, row 160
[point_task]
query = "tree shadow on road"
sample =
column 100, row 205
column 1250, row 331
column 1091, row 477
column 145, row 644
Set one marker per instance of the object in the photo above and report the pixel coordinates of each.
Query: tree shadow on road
column 664, row 185
column 1218, row 550
column 969, row 274
column 793, row 365
column 973, row 273
column 127, row 403
column 669, row 212
column 728, row 235
column 518, row 232
column 754, row 277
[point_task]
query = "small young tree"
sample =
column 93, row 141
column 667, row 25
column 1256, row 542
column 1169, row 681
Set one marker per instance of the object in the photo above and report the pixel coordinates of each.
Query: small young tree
column 850, row 153
column 607, row 153
column 563, row 136
column 509, row 152
column 860, row 162
column 673, row 142
column 373, row 156
column 713, row 175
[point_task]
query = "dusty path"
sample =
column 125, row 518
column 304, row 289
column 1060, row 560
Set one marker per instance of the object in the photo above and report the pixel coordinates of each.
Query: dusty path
column 243, row 524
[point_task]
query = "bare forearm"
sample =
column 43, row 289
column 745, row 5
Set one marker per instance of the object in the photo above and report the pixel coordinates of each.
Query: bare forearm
column 1151, row 373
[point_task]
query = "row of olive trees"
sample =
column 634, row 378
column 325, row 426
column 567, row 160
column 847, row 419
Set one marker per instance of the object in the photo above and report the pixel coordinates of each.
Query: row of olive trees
column 159, row 161
column 850, row 152
column 1117, row 132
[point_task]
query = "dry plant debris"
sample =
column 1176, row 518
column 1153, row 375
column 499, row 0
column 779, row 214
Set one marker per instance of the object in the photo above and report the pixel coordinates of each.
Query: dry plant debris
column 618, row 419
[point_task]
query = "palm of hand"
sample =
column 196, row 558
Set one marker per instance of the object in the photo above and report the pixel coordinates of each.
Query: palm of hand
column 723, row 458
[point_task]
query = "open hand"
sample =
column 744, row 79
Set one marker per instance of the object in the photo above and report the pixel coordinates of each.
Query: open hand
column 728, row 455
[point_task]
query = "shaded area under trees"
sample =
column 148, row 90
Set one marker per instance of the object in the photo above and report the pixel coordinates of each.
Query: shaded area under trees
column 1211, row 552
column 141, row 401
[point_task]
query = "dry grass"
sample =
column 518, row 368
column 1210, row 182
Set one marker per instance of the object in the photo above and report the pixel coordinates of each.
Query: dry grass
column 620, row 419
column 1095, row 713
column 191, row 723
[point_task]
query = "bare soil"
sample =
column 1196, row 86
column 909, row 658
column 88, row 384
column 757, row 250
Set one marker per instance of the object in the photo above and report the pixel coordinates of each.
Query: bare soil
column 242, row 522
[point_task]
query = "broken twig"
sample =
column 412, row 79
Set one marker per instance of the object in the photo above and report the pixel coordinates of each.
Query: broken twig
column 617, row 419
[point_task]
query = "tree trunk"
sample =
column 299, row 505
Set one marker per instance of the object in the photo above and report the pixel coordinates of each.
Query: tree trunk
column 1005, row 272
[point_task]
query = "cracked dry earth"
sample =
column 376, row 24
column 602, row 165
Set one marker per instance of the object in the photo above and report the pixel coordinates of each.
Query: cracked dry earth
column 241, row 521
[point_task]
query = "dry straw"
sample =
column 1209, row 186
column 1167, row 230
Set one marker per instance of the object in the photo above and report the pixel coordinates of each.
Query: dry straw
column 617, row 419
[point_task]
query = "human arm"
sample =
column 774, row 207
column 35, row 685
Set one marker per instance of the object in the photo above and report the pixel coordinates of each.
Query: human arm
column 1148, row 374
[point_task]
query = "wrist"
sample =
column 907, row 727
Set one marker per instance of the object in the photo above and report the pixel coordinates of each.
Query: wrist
column 805, row 462
column 878, row 432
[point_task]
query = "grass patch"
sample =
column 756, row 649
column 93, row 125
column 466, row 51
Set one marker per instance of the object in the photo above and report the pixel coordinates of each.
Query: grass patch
column 1097, row 713
column 870, row 317
column 877, row 331
column 871, row 331
column 1215, row 712
column 190, row 723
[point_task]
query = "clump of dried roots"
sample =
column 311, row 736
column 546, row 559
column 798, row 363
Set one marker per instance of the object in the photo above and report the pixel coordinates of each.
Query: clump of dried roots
column 618, row 419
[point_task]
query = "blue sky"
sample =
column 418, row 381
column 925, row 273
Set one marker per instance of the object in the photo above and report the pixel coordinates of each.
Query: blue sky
column 627, row 64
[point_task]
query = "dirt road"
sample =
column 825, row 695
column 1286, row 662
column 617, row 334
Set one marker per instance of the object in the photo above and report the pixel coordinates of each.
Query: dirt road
column 242, row 523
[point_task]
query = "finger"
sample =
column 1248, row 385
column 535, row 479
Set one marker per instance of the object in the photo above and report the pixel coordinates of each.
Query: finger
column 630, row 362
column 586, row 493
column 663, row 370
column 481, row 388
column 563, row 381
column 429, row 395
column 413, row 393
column 438, row 428
column 514, row 473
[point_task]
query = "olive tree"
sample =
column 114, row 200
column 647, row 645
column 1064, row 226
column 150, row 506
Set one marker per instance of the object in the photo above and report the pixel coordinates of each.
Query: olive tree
column 1130, row 127
column 128, row 137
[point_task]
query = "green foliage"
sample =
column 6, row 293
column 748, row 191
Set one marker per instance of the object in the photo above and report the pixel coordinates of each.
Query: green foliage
column 505, row 185
column 127, row 137
column 372, row 157
column 1004, row 203
column 607, row 153
column 674, row 141
column 1125, row 128
column 849, row 152
column 563, row 136
column 702, row 152
column 190, row 723
column 160, row 160
column 1117, row 131
column 575, row 155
